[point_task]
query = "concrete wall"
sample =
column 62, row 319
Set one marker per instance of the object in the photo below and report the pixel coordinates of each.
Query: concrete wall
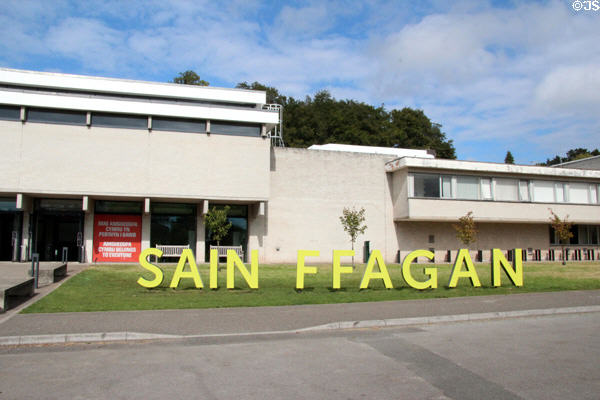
column 415, row 235
column 309, row 190
column 77, row 160
column 451, row 210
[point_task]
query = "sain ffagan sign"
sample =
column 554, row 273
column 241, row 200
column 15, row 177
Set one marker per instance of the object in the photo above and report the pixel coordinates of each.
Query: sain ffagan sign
column 463, row 268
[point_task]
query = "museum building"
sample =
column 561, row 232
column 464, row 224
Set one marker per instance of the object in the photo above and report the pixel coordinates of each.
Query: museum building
column 107, row 167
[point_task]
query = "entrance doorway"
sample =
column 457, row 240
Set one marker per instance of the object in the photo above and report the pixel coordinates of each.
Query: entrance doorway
column 57, row 225
column 10, row 230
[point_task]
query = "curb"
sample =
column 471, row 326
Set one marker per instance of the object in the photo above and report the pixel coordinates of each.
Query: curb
column 378, row 323
column 451, row 318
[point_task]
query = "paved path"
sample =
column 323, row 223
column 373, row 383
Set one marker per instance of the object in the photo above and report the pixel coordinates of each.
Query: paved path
column 284, row 318
column 537, row 358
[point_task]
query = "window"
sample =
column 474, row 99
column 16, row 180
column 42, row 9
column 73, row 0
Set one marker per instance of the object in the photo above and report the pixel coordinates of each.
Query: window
column 66, row 117
column 524, row 190
column 234, row 129
column 120, row 121
column 178, row 124
column 486, row 188
column 582, row 235
column 543, row 191
column 578, row 193
column 10, row 113
column 507, row 189
column 173, row 224
column 446, row 186
column 593, row 194
column 560, row 192
column 8, row 204
column 118, row 207
column 427, row 185
column 467, row 187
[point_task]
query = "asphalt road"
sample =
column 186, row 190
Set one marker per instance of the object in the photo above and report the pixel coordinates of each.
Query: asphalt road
column 552, row 357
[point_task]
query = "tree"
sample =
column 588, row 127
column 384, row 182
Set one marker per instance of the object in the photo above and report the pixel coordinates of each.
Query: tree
column 189, row 77
column 562, row 228
column 465, row 229
column 509, row 159
column 352, row 220
column 273, row 95
column 324, row 119
column 217, row 223
column 572, row 155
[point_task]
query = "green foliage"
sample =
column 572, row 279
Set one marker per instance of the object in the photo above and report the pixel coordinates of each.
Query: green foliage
column 465, row 229
column 562, row 227
column 323, row 119
column 273, row 95
column 509, row 159
column 572, row 155
column 189, row 77
column 217, row 223
column 352, row 220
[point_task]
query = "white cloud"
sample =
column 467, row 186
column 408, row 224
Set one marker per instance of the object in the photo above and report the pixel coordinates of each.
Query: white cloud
column 523, row 72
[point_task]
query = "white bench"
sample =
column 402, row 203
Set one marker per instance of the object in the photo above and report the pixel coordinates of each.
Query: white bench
column 222, row 250
column 172, row 250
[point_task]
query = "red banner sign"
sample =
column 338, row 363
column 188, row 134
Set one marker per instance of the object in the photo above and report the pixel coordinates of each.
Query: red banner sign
column 117, row 238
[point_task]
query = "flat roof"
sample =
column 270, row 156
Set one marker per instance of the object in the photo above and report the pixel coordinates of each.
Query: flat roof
column 487, row 167
column 392, row 151
column 116, row 86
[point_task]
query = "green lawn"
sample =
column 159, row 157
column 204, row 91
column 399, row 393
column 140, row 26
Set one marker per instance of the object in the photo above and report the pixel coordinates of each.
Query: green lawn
column 114, row 287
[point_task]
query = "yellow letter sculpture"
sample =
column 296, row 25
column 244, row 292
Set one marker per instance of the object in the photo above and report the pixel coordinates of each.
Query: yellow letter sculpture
column 301, row 269
column 463, row 257
column 410, row 280
column 158, row 274
column 186, row 256
column 515, row 274
column 376, row 257
column 337, row 268
column 233, row 260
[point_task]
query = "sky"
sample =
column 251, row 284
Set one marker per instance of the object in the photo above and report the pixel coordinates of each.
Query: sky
column 522, row 76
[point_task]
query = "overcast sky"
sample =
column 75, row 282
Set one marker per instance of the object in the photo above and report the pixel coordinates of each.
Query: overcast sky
column 518, row 76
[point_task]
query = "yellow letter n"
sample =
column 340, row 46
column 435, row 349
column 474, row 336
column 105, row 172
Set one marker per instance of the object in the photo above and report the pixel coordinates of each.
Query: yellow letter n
column 515, row 274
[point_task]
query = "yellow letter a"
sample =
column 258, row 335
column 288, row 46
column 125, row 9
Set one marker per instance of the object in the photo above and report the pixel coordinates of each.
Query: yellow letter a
column 463, row 257
column 186, row 256
column 382, row 274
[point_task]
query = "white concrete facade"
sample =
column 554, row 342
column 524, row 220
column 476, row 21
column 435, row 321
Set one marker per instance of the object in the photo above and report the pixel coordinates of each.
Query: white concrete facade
column 290, row 199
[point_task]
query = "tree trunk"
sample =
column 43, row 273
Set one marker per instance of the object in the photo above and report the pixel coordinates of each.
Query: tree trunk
column 353, row 256
column 564, row 262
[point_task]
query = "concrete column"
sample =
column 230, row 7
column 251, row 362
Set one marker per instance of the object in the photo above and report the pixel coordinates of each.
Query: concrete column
column 257, row 230
column 25, row 204
column 146, row 220
column 88, row 231
column 25, row 243
column 200, row 232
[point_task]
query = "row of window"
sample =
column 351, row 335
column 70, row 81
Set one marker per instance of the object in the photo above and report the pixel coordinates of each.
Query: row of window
column 68, row 117
column 582, row 234
column 503, row 189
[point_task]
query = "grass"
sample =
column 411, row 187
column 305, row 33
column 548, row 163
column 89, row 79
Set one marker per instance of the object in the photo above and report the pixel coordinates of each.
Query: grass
column 114, row 287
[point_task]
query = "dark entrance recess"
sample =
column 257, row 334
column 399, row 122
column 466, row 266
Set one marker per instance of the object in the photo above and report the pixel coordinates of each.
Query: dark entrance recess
column 10, row 230
column 57, row 224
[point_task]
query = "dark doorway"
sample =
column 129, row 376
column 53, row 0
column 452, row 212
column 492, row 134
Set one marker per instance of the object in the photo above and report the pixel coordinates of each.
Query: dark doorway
column 57, row 225
column 10, row 235
column 10, row 229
